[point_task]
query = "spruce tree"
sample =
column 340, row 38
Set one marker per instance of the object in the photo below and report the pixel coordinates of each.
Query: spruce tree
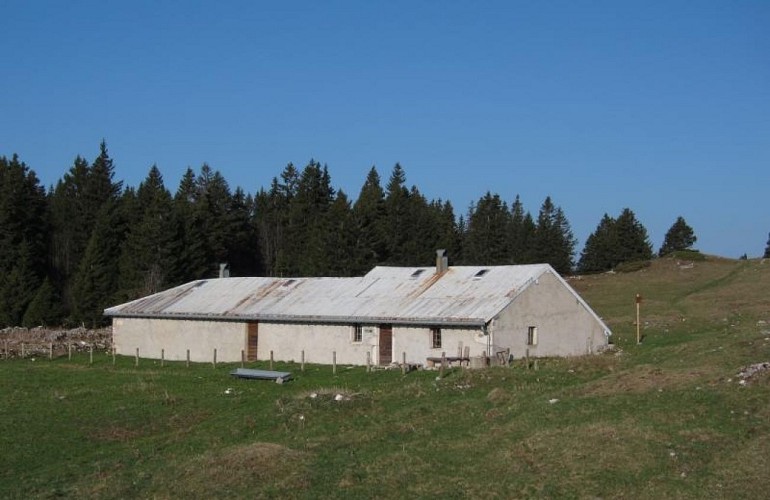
column 23, row 238
column 554, row 242
column 448, row 233
column 599, row 253
column 396, row 218
column 522, row 234
column 488, row 231
column 341, row 238
column 369, row 213
column 45, row 308
column 680, row 236
column 76, row 202
column 633, row 244
column 192, row 260
column 767, row 248
column 150, row 254
column 243, row 255
column 307, row 223
column 97, row 276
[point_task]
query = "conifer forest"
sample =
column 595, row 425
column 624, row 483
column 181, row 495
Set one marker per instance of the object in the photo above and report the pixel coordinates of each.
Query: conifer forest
column 88, row 241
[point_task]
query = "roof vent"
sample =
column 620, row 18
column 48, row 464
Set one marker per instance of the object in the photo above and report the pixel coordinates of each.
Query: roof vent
column 481, row 273
column 224, row 272
column 417, row 273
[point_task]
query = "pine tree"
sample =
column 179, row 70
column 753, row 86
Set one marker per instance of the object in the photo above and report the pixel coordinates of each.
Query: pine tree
column 680, row 236
column 553, row 238
column 341, row 238
column 97, row 276
column 270, row 214
column 448, row 233
column 767, row 248
column 488, row 231
column 23, row 238
column 522, row 234
column 396, row 219
column 149, row 258
column 192, row 261
column 76, row 202
column 369, row 213
column 633, row 244
column 599, row 253
column 243, row 255
column 45, row 308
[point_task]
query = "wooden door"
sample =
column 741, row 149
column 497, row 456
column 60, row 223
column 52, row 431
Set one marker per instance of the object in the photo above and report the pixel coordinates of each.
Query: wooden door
column 386, row 344
column 252, row 341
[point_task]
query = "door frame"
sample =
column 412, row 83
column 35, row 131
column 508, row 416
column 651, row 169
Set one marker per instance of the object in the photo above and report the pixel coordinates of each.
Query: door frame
column 380, row 344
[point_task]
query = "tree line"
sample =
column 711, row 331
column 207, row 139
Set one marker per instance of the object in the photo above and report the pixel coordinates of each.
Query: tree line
column 88, row 242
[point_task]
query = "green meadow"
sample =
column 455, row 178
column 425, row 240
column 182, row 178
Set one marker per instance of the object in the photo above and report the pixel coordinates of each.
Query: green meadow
column 669, row 417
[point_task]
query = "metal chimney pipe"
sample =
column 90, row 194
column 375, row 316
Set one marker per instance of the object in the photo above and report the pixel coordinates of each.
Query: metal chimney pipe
column 442, row 262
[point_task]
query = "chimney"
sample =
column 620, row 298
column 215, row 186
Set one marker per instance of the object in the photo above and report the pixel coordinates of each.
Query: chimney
column 224, row 272
column 442, row 262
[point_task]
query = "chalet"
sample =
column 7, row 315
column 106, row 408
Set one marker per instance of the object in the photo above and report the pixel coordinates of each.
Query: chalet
column 419, row 311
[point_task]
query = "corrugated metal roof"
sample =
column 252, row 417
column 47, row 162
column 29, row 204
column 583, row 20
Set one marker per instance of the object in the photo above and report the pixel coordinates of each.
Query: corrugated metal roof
column 463, row 295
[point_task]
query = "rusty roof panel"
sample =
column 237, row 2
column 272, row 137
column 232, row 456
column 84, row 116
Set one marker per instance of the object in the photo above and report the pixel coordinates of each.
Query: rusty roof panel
column 386, row 294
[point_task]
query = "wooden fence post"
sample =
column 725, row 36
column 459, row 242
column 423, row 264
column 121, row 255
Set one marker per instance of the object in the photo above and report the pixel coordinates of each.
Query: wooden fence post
column 215, row 358
column 334, row 362
column 6, row 349
column 69, row 352
column 91, row 354
column 23, row 353
column 368, row 361
column 443, row 362
column 403, row 363
column 271, row 360
column 50, row 350
column 136, row 357
column 188, row 358
column 113, row 355
column 243, row 358
column 302, row 363
column 162, row 357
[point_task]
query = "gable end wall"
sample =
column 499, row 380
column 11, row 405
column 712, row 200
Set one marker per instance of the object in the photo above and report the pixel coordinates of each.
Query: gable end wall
column 564, row 326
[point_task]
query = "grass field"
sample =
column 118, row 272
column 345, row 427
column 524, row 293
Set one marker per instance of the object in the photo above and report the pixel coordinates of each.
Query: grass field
column 667, row 418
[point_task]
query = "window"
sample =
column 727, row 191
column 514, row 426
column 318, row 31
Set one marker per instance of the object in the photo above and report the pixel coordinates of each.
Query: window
column 358, row 333
column 532, row 335
column 435, row 334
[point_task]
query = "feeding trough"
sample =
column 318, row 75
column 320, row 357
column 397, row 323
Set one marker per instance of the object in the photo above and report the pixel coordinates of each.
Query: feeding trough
column 248, row 373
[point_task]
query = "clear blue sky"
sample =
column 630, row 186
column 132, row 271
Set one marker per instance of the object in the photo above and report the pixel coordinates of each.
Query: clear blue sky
column 663, row 107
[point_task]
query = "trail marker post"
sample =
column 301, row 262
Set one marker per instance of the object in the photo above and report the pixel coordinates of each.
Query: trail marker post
column 638, row 326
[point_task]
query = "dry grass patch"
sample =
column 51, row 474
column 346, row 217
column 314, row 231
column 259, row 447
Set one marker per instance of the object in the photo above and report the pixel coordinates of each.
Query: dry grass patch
column 742, row 472
column 645, row 378
column 581, row 457
column 257, row 470
column 121, row 433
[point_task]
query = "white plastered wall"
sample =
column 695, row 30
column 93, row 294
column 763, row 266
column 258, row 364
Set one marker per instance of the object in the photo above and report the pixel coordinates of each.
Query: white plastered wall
column 176, row 336
column 416, row 342
column 319, row 341
column 564, row 326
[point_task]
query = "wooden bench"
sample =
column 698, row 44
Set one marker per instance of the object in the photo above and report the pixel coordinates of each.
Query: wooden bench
column 433, row 361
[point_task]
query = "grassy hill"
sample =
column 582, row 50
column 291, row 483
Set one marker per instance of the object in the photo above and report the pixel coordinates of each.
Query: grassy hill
column 670, row 417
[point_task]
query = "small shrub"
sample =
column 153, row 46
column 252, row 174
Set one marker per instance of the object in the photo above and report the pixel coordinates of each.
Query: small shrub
column 630, row 267
column 691, row 255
